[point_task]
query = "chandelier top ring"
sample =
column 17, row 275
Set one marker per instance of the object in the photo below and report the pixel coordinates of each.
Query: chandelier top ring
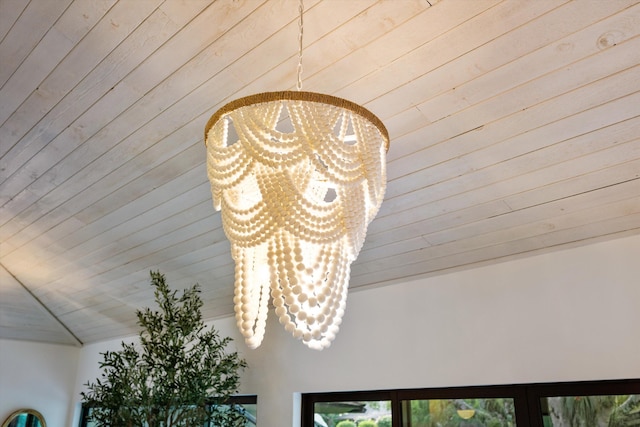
column 298, row 96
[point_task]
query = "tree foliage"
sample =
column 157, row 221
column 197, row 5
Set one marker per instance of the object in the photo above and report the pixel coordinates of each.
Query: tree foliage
column 170, row 378
column 384, row 421
column 595, row 411
column 495, row 412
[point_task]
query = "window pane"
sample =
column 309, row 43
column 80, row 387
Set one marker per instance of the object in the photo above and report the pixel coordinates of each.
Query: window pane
column 248, row 411
column 591, row 411
column 246, row 406
column 85, row 419
column 350, row 414
column 496, row 412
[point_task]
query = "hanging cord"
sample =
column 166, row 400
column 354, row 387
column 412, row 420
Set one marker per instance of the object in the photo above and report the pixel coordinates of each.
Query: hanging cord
column 300, row 34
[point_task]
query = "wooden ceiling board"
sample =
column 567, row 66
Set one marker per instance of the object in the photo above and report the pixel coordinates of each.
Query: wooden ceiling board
column 514, row 129
column 23, row 317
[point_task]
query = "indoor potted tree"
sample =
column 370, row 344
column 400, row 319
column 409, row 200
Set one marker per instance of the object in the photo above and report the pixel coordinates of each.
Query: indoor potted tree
column 178, row 374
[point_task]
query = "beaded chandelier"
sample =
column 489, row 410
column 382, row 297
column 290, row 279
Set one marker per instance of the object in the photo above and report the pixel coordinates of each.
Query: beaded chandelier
column 298, row 177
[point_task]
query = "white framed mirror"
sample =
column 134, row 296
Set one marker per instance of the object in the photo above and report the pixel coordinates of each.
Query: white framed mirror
column 25, row 418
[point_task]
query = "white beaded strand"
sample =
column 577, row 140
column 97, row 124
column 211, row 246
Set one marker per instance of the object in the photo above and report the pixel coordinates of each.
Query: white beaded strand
column 274, row 209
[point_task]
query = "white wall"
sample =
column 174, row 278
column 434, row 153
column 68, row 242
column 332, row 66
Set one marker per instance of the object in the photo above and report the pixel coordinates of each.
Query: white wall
column 38, row 376
column 561, row 316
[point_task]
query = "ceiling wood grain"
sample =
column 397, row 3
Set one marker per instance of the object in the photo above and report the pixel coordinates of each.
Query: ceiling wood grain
column 514, row 129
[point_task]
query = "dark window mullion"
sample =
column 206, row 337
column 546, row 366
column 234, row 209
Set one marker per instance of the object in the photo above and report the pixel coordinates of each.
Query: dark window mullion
column 396, row 410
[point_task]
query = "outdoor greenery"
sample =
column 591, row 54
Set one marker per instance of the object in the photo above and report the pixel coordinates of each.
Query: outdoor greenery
column 569, row 411
column 173, row 374
column 360, row 414
column 384, row 421
column 594, row 411
column 448, row 412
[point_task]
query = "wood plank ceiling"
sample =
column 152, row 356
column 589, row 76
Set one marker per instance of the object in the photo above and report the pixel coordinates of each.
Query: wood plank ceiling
column 514, row 128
